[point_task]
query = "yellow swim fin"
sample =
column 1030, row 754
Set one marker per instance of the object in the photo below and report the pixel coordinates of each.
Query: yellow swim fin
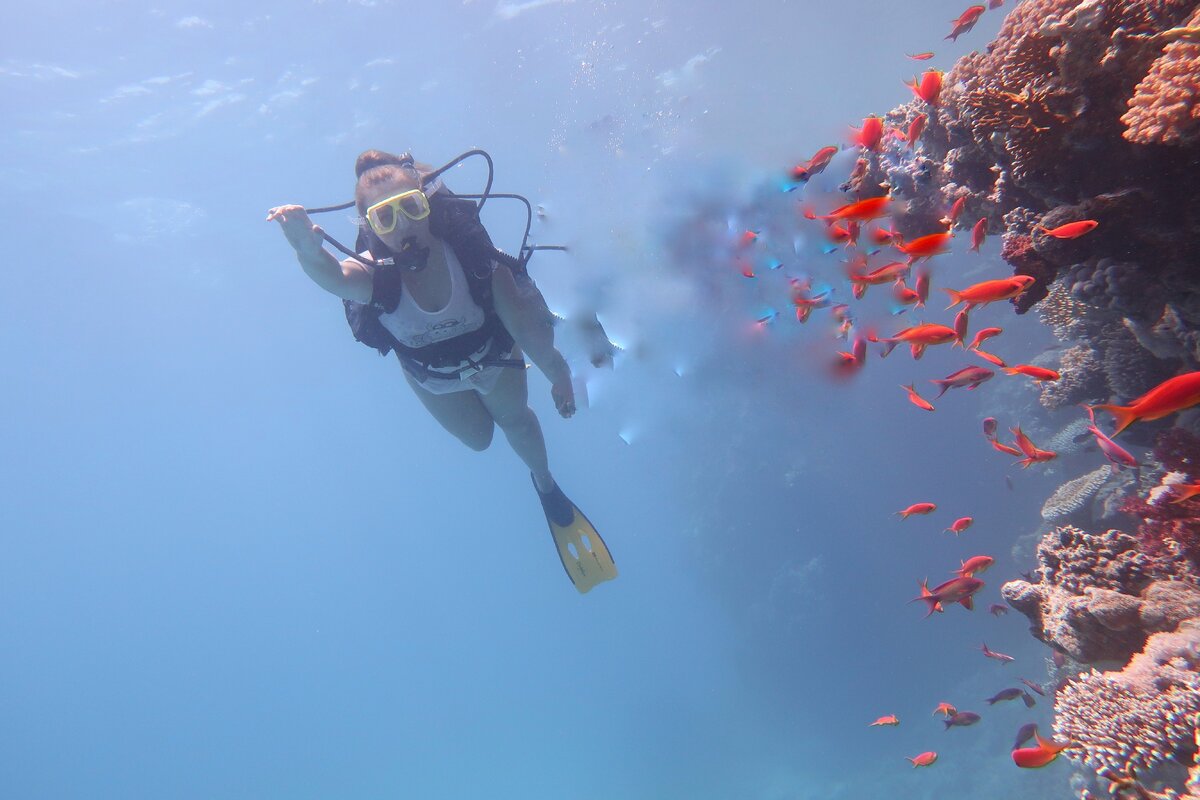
column 584, row 555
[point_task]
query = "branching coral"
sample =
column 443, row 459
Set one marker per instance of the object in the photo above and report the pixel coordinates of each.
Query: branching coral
column 1164, row 108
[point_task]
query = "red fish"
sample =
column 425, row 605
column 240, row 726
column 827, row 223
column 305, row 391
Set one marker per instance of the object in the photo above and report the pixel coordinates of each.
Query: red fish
column 922, row 286
column 882, row 235
column 1003, row 448
column 1001, row 657
column 1037, row 373
column 926, row 246
column 1184, row 491
column 918, row 337
column 1033, row 455
column 890, row 719
column 968, row 377
column 1036, row 687
column 870, row 134
column 965, row 22
column 961, row 321
column 980, row 294
column 928, row 86
column 978, row 234
column 923, row 759
column 955, row 210
column 945, row 709
column 815, row 165
column 904, row 295
column 989, row 427
column 885, row 274
column 915, row 129
column 1072, row 230
column 974, row 565
column 961, row 524
column 986, row 356
column 1118, row 456
column 1175, row 394
column 861, row 211
column 917, row 508
column 916, row 399
column 956, row 590
column 1039, row 756
column 920, row 56
column 983, row 335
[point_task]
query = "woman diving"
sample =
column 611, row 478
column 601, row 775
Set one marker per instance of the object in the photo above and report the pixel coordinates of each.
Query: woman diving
column 461, row 316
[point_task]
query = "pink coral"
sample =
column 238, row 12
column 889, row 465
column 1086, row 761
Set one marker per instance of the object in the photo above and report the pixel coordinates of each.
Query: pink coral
column 1163, row 109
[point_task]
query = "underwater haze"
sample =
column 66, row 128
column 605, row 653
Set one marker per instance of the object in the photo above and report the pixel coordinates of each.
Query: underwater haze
column 238, row 559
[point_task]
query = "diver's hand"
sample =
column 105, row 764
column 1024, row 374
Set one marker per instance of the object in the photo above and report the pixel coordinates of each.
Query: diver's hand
column 564, row 396
column 300, row 231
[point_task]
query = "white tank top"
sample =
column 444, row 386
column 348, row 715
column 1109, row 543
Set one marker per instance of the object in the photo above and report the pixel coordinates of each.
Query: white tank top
column 415, row 327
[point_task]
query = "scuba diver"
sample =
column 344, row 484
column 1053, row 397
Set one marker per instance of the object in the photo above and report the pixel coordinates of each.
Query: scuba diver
column 425, row 281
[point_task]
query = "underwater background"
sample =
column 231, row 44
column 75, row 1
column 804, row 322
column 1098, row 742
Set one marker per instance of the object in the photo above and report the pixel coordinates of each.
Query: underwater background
column 237, row 557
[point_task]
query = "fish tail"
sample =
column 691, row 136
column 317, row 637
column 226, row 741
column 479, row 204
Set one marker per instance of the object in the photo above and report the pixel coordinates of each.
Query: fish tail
column 1009, row 370
column 955, row 296
column 1124, row 416
column 944, row 385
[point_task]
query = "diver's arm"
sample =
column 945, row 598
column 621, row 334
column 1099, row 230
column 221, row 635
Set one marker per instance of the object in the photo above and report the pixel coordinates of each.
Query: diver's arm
column 523, row 311
column 347, row 279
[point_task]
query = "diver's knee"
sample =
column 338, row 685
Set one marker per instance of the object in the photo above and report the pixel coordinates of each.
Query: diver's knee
column 479, row 440
column 517, row 420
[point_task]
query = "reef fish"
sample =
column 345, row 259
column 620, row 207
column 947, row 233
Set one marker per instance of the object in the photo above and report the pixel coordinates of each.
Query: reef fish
column 961, row 524
column 870, row 134
column 1175, row 394
column 974, row 565
column 1033, row 454
column 923, row 759
column 961, row 719
column 915, row 129
column 1185, row 491
column 982, row 335
column 815, row 165
column 916, row 399
column 955, row 210
column 978, row 234
column 1118, row 456
column 1030, row 371
column 862, row 210
column 928, row 86
column 920, row 56
column 917, row 508
column 1040, row 755
column 1025, row 733
column 1071, row 230
column 980, row 294
column 917, row 337
column 1002, row 695
column 926, row 246
column 890, row 719
column 997, row 609
column 990, row 358
column 965, row 22
column 968, row 377
column 1001, row 657
column 945, row 709
column 1037, row 688
column 959, row 590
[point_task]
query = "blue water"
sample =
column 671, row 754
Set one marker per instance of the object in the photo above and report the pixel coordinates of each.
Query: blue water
column 239, row 560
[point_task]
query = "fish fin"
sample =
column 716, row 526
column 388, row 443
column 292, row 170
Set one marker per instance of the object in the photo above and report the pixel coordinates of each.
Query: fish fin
column 1124, row 416
column 968, row 603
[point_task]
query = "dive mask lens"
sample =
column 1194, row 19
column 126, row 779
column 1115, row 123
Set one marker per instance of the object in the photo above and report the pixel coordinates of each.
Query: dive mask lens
column 382, row 218
column 384, row 215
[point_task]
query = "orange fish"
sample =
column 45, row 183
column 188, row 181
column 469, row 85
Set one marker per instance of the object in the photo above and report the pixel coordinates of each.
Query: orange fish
column 816, row 164
column 918, row 337
column 980, row 294
column 888, row 273
column 1037, row 373
column 919, row 402
column 975, row 565
column 928, row 86
column 961, row 320
column 882, row 235
column 917, row 508
column 959, row 590
column 945, row 709
column 861, row 211
column 926, row 246
column 965, row 22
column 978, row 234
column 923, row 759
column 1039, row 756
column 1033, row 455
column 986, row 356
column 955, row 210
column 1072, row 230
column 922, row 286
column 959, row 525
column 1175, row 394
column 890, row 719
column 904, row 295
column 1004, row 448
column 920, row 56
column 870, row 134
column 983, row 335
column 915, row 129
column 1184, row 491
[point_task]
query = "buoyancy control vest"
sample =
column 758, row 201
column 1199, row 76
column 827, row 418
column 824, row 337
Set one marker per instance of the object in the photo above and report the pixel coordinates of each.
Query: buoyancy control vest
column 455, row 221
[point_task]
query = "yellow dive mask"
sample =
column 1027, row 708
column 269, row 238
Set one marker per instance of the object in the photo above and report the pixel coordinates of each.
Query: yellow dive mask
column 384, row 215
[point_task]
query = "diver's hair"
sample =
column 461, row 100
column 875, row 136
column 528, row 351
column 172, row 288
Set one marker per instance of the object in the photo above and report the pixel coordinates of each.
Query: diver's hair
column 373, row 167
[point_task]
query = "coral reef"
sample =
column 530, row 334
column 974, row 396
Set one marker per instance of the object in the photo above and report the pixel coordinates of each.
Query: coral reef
column 1077, row 110
column 1097, row 598
column 1074, row 495
column 1129, row 722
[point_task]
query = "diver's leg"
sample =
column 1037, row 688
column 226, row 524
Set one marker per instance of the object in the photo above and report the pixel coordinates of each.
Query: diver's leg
column 508, row 403
column 461, row 413
column 522, row 309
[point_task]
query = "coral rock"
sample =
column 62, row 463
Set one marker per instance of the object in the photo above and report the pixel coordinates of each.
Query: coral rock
column 1164, row 108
